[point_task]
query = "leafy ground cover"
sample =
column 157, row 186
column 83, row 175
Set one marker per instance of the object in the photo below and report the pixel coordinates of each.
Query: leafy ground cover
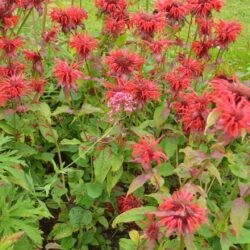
column 124, row 125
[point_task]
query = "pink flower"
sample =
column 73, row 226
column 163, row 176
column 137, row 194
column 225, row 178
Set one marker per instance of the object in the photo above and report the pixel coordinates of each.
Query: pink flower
column 123, row 62
column 181, row 214
column 147, row 151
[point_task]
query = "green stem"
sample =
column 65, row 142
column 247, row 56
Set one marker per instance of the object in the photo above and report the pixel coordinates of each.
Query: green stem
column 44, row 16
column 24, row 21
column 80, row 3
column 182, row 245
column 147, row 5
column 189, row 28
column 72, row 2
column 34, row 26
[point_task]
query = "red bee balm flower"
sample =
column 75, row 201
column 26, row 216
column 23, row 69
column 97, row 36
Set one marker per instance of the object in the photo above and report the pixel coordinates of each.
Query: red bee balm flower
column 143, row 90
column 147, row 24
column 125, row 203
column 123, row 62
column 36, row 59
column 227, row 32
column 67, row 75
column 10, row 46
column 180, row 214
column 38, row 85
column 15, row 87
column 68, row 18
column 148, row 151
column 111, row 5
column 83, row 44
column 37, row 4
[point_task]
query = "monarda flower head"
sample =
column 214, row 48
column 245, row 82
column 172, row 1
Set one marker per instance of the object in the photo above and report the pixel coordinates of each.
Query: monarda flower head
column 177, row 80
column 36, row 59
column 67, row 75
column 147, row 151
column 203, row 8
column 181, row 214
column 37, row 4
column 147, row 24
column 227, row 32
column 69, row 18
column 114, row 27
column 143, row 90
column 83, row 44
column 10, row 46
column 125, row 203
column 234, row 118
column 109, row 6
column 12, row 69
column 123, row 62
column 15, row 87
column 201, row 48
column 174, row 10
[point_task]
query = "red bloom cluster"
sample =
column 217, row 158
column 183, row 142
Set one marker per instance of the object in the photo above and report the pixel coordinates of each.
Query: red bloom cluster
column 108, row 6
column 37, row 4
column 10, row 46
column 227, row 32
column 36, row 59
column 69, row 18
column 83, row 44
column 7, row 16
column 147, row 24
column 147, row 151
column 193, row 111
column 125, row 203
column 123, row 62
column 233, row 105
column 67, row 75
column 181, row 214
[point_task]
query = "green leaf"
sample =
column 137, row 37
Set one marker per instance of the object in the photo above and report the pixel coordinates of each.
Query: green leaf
column 138, row 182
column 211, row 119
column 89, row 109
column 121, row 40
column 127, row 244
column 94, row 190
column 239, row 214
column 42, row 108
column 165, row 169
column 132, row 215
column 215, row 172
column 61, row 230
column 7, row 128
column 79, row 217
column 7, row 242
column 103, row 221
column 48, row 133
column 113, row 178
column 62, row 109
column 240, row 170
column 70, row 142
column 102, row 165
column 160, row 115
column 170, row 146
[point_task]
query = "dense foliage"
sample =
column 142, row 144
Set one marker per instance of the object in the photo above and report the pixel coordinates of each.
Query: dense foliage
column 132, row 137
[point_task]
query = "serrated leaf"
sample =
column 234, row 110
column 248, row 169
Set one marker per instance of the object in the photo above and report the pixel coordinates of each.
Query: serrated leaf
column 79, row 217
column 102, row 165
column 239, row 214
column 138, row 182
column 132, row 215
column 61, row 230
column 49, row 134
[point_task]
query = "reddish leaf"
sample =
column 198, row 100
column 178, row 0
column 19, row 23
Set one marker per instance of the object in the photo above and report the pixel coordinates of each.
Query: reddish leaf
column 138, row 182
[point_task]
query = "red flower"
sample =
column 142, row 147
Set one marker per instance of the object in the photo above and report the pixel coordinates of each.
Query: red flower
column 37, row 4
column 234, row 115
column 177, row 80
column 38, row 85
column 175, row 10
column 143, row 90
column 193, row 111
column 152, row 231
column 108, row 6
column 10, row 46
column 157, row 47
column 227, row 32
column 147, row 24
column 10, row 22
column 67, row 75
column 12, row 69
column 68, row 18
column 125, row 203
column 191, row 68
column 114, row 27
column 36, row 59
column 123, row 62
column 15, row 87
column 3, row 97
column 201, row 48
column 83, row 44
column 204, row 7
column 205, row 25
column 148, row 151
column 50, row 35
column 180, row 214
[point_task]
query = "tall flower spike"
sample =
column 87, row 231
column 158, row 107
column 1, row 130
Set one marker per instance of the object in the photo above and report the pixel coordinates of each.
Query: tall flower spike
column 147, row 151
column 181, row 214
